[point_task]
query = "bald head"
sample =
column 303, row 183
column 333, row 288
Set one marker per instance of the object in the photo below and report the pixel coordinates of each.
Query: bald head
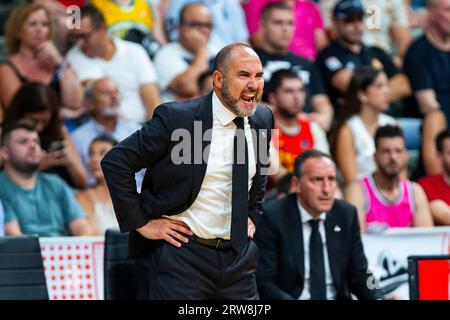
column 439, row 16
column 224, row 56
column 103, row 98
column 193, row 9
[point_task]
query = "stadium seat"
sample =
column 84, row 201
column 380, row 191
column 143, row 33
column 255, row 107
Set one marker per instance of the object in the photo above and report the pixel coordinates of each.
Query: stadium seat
column 22, row 274
column 119, row 271
column 411, row 128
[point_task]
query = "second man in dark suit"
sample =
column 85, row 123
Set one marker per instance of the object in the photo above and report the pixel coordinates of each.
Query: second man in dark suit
column 310, row 244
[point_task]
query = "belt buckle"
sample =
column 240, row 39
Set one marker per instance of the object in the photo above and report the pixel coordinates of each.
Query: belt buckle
column 218, row 243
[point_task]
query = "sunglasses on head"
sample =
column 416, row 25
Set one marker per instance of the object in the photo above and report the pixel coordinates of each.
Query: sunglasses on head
column 351, row 19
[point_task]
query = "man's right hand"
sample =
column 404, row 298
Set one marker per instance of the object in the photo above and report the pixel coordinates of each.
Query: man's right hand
column 166, row 229
column 198, row 42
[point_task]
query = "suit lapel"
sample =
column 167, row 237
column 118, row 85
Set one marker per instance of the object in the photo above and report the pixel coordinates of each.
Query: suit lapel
column 333, row 233
column 296, row 234
column 203, row 120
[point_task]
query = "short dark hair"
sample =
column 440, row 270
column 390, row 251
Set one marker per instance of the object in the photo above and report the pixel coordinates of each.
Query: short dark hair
column 35, row 97
column 265, row 12
column 20, row 124
column 222, row 57
column 96, row 16
column 388, row 131
column 441, row 138
column 103, row 138
column 305, row 155
column 277, row 79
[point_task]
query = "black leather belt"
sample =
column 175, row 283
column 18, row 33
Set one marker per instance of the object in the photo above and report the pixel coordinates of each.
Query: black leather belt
column 217, row 243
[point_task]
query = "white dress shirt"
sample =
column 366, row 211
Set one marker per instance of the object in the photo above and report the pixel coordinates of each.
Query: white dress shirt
column 306, row 217
column 209, row 216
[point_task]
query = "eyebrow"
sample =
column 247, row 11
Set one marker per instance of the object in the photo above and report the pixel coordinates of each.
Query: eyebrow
column 259, row 73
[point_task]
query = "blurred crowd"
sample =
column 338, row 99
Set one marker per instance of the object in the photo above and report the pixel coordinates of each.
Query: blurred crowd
column 367, row 82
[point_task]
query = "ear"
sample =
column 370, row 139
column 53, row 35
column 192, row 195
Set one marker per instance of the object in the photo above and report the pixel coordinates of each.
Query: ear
column 361, row 94
column 4, row 154
column 89, row 104
column 217, row 79
column 261, row 28
column 295, row 184
column 271, row 98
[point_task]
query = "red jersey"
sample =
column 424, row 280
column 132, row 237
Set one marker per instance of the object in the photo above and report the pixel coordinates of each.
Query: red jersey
column 435, row 188
column 289, row 147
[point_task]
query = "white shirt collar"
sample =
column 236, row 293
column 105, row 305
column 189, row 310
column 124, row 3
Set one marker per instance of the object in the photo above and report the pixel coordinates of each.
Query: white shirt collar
column 306, row 216
column 221, row 112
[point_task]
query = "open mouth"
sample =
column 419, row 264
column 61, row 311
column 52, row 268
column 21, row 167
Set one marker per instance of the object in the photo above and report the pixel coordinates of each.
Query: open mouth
column 248, row 97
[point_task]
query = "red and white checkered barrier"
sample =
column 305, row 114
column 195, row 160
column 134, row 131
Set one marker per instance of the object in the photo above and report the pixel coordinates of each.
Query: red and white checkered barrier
column 73, row 267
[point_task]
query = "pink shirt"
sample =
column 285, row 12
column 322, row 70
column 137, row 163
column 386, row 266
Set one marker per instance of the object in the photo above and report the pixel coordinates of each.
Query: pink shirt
column 380, row 211
column 307, row 20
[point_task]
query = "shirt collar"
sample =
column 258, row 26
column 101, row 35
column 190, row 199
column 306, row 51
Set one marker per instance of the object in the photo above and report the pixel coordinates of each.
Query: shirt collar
column 221, row 112
column 306, row 216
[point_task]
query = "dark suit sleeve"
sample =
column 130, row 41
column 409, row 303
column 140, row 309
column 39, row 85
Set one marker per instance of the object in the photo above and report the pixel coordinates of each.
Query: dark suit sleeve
column 359, row 277
column 138, row 151
column 255, row 209
column 267, row 239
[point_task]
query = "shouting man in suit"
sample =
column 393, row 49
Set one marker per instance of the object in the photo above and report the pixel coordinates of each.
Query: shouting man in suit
column 310, row 244
column 199, row 207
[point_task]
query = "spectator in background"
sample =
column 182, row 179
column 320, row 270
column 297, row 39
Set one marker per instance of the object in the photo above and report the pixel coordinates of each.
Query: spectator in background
column 417, row 14
column 352, row 142
column 433, row 124
column 99, row 55
column 437, row 187
column 39, row 103
column 35, row 202
column 310, row 244
column 59, row 18
column 123, row 15
column 386, row 24
column 309, row 35
column 427, row 63
column 180, row 63
column 296, row 132
column 34, row 58
column 338, row 61
column 384, row 199
column 102, row 100
column 96, row 201
column 227, row 17
column 277, row 26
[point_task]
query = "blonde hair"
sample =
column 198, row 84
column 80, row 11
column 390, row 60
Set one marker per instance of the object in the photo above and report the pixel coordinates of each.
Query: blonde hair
column 15, row 23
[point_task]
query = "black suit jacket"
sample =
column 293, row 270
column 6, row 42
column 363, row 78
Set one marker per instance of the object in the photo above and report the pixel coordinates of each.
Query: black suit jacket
column 169, row 188
column 280, row 272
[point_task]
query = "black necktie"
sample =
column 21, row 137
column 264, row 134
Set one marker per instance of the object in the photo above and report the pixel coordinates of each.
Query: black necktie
column 239, row 197
column 316, row 263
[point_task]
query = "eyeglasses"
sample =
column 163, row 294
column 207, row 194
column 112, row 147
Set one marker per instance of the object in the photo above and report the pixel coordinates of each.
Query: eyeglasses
column 197, row 24
column 84, row 36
